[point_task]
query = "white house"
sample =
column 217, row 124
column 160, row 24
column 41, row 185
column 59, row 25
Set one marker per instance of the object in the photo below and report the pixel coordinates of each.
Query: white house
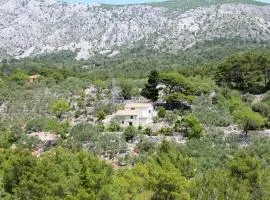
column 135, row 114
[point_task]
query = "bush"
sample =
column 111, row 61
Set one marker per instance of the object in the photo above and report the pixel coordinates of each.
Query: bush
column 129, row 133
column 263, row 107
column 114, row 126
column 146, row 146
column 148, row 131
column 49, row 125
column 108, row 108
column 19, row 77
column 101, row 127
column 84, row 132
column 171, row 117
column 248, row 98
column 1, row 83
column 36, row 124
column 248, row 119
column 59, row 107
column 212, row 115
column 28, row 142
column 166, row 131
column 6, row 138
column 161, row 112
column 53, row 125
column 101, row 115
column 111, row 142
column 192, row 127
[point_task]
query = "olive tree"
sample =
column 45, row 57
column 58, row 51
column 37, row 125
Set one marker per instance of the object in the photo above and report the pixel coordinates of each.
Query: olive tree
column 248, row 119
column 59, row 107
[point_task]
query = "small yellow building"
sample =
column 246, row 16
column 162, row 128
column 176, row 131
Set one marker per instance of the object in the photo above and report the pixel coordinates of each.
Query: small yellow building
column 33, row 78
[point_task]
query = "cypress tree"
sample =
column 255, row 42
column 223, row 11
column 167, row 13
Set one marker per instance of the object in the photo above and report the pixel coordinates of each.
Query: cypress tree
column 150, row 90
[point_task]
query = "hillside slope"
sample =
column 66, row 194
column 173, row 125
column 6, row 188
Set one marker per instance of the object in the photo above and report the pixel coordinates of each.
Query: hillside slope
column 30, row 27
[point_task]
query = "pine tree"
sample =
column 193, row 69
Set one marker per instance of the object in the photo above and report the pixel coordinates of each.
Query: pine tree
column 150, row 90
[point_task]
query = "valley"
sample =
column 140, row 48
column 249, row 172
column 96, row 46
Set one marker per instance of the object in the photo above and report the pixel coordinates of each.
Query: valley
column 157, row 101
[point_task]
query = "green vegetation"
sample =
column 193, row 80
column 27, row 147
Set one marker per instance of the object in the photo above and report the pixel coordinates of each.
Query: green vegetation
column 201, row 151
column 101, row 115
column 248, row 72
column 186, row 5
column 126, row 89
column 150, row 90
column 192, row 127
column 248, row 119
column 263, row 106
column 161, row 112
column 195, row 170
column 129, row 133
column 59, row 107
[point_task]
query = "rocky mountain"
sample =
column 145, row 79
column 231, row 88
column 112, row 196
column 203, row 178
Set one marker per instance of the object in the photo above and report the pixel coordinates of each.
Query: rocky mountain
column 31, row 27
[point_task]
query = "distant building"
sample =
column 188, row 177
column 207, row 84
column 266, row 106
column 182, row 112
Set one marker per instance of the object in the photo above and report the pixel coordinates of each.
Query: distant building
column 135, row 114
column 33, row 78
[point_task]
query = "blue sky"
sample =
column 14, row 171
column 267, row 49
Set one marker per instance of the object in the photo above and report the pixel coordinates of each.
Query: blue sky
column 120, row 1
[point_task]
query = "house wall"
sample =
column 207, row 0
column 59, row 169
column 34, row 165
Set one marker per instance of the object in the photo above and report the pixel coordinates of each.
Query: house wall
column 145, row 117
column 127, row 119
column 144, row 112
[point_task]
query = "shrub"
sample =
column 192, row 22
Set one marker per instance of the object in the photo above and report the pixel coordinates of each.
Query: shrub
column 170, row 117
column 19, row 77
column 248, row 98
column 166, row 131
column 36, row 124
column 146, row 146
column 263, row 108
column 6, row 138
column 100, row 127
column 101, row 115
column 59, row 107
column 53, row 125
column 148, row 131
column 212, row 115
column 129, row 133
column 28, row 142
column 84, row 132
column 114, row 126
column 126, row 89
column 192, row 126
column 161, row 112
column 108, row 108
column 111, row 142
column 1, row 83
column 248, row 119
column 49, row 125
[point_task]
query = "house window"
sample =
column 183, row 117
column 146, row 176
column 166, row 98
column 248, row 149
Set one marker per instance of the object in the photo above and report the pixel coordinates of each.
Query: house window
column 132, row 108
column 149, row 111
column 131, row 117
column 123, row 122
column 130, row 124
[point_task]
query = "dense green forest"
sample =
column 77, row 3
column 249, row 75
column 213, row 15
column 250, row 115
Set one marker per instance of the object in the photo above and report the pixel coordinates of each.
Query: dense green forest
column 225, row 146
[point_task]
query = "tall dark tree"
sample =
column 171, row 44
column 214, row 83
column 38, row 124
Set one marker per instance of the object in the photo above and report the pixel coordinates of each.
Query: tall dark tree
column 126, row 89
column 150, row 90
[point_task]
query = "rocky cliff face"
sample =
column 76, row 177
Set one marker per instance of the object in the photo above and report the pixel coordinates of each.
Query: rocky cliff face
column 30, row 27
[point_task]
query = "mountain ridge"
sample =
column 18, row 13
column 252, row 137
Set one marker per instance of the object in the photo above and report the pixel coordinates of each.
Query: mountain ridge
column 30, row 27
